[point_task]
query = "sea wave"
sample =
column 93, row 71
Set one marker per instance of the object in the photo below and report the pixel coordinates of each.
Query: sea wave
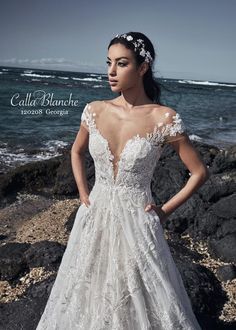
column 206, row 83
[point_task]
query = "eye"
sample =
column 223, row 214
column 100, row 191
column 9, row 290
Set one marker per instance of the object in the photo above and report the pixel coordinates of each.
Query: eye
column 119, row 63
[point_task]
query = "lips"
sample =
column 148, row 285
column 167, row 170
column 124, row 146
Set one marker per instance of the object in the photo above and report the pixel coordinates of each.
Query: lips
column 113, row 81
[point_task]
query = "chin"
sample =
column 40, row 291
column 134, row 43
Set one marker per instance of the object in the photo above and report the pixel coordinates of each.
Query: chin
column 115, row 88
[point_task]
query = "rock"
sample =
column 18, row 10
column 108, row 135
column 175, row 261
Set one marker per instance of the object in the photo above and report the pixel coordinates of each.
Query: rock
column 65, row 182
column 12, row 260
column 224, row 248
column 48, row 177
column 168, row 177
column 218, row 220
column 183, row 220
column 17, row 258
column 226, row 207
column 217, row 226
column 203, row 288
column 226, row 273
column 33, row 177
column 226, row 228
column 44, row 254
column 25, row 312
column 225, row 160
column 217, row 186
column 2, row 237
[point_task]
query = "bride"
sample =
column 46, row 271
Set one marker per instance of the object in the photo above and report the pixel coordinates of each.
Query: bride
column 117, row 271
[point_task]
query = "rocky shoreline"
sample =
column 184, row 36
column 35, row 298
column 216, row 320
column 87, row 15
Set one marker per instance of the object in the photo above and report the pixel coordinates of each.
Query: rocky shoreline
column 38, row 203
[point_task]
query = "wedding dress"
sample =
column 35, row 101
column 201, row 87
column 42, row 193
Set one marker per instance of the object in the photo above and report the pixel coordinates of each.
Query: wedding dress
column 117, row 272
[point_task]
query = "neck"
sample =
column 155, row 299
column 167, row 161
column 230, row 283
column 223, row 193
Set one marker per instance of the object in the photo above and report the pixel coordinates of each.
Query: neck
column 133, row 97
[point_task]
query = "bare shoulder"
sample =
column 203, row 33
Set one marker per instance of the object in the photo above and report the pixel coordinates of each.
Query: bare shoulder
column 163, row 113
column 95, row 106
column 163, row 109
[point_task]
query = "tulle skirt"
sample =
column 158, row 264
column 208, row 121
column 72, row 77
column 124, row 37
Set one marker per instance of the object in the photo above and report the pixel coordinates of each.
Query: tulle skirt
column 117, row 272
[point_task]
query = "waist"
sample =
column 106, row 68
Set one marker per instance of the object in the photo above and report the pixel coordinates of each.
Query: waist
column 135, row 193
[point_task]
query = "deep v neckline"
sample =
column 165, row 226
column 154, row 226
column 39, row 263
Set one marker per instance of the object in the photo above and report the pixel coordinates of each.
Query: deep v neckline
column 111, row 155
column 107, row 143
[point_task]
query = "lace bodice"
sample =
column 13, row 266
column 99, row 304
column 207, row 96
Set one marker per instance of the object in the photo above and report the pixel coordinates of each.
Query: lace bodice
column 138, row 158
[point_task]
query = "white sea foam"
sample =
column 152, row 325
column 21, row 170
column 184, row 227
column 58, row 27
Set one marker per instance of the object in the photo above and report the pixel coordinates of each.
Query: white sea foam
column 19, row 156
column 37, row 75
column 195, row 137
column 206, row 83
column 86, row 79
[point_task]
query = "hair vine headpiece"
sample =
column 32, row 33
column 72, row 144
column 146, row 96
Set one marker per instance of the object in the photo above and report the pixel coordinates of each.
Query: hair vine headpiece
column 139, row 43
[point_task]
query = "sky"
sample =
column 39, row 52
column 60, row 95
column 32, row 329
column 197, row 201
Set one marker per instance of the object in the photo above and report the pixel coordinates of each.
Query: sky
column 192, row 39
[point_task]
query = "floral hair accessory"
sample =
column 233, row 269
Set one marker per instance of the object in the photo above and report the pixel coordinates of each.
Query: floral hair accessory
column 139, row 45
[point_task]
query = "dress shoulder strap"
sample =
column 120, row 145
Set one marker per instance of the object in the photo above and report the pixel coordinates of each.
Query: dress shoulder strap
column 87, row 117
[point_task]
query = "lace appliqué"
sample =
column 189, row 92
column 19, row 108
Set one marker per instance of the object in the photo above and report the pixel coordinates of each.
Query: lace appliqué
column 137, row 160
column 162, row 131
column 158, row 136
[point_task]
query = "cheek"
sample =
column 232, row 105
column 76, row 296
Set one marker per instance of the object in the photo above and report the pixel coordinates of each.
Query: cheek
column 128, row 75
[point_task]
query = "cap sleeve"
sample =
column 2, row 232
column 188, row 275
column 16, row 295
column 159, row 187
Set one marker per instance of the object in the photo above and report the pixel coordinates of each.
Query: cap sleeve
column 87, row 119
column 175, row 128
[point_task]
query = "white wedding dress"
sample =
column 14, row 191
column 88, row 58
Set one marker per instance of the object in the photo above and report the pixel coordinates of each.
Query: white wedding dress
column 117, row 272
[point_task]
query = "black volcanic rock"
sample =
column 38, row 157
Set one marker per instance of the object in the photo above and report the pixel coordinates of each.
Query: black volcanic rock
column 44, row 254
column 17, row 258
column 224, row 248
column 226, row 272
column 202, row 286
column 225, row 160
column 12, row 260
column 64, row 180
column 34, row 178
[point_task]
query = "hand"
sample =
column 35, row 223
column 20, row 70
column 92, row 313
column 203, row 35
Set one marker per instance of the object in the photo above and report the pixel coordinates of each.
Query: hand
column 84, row 199
column 161, row 214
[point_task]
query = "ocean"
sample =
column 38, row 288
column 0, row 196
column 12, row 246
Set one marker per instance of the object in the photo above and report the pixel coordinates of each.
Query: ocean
column 32, row 130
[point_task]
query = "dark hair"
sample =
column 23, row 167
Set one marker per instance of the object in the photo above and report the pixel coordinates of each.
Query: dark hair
column 152, row 88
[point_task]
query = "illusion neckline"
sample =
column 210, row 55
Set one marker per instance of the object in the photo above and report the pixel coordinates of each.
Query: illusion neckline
column 120, row 157
column 110, row 153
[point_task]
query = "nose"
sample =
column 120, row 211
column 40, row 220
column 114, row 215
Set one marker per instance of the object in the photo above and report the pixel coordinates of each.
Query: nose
column 112, row 70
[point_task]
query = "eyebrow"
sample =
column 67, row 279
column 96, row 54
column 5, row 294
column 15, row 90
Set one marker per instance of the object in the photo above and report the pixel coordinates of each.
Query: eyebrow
column 118, row 58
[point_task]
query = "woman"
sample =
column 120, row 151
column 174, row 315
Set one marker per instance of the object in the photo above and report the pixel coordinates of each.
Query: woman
column 117, row 271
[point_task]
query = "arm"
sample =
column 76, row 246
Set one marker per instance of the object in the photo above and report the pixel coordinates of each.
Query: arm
column 77, row 161
column 174, row 131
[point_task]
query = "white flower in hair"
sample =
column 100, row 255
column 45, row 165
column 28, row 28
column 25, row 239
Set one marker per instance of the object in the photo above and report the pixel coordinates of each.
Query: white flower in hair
column 129, row 38
column 138, row 44
column 142, row 53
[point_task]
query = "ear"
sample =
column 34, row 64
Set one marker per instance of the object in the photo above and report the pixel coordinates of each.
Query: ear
column 143, row 68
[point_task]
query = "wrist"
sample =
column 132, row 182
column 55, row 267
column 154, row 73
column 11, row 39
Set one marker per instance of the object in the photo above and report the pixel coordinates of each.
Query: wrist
column 164, row 211
column 83, row 192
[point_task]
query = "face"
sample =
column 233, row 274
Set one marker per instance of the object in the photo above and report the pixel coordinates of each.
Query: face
column 122, row 68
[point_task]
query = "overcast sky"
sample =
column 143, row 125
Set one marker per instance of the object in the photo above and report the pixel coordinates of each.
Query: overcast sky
column 193, row 39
